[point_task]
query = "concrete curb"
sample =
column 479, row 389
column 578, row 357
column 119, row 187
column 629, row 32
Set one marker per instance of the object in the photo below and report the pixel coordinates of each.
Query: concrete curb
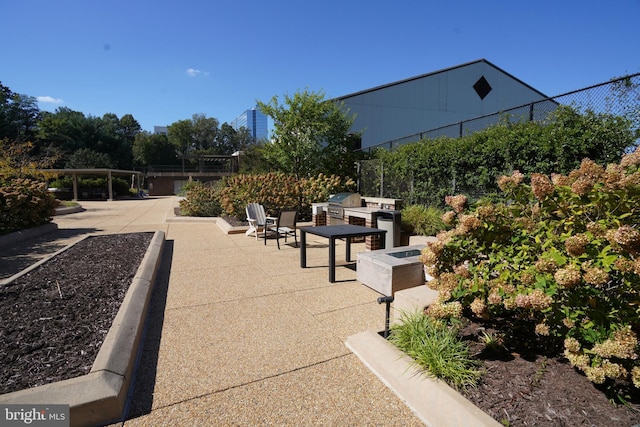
column 221, row 223
column 39, row 263
column 433, row 401
column 69, row 210
column 100, row 396
column 17, row 236
column 228, row 228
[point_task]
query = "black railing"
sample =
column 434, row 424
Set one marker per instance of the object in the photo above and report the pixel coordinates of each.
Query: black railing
column 221, row 165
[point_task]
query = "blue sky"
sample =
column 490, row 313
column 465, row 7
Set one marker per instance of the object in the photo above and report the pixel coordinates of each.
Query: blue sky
column 164, row 61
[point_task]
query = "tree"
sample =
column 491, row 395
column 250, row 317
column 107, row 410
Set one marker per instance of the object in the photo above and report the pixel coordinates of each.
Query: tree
column 86, row 158
column 204, row 132
column 244, row 139
column 180, row 134
column 153, row 149
column 307, row 129
column 230, row 140
column 62, row 132
column 129, row 128
column 66, row 131
column 18, row 160
column 19, row 116
column 194, row 136
column 254, row 160
column 106, row 138
column 116, row 137
column 201, row 135
column 340, row 156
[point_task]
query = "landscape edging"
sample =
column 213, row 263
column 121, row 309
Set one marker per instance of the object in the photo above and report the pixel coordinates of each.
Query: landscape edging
column 39, row 262
column 66, row 210
column 432, row 400
column 18, row 236
column 100, row 396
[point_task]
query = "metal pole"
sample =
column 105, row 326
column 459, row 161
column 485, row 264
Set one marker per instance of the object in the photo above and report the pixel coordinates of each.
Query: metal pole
column 386, row 300
column 381, row 179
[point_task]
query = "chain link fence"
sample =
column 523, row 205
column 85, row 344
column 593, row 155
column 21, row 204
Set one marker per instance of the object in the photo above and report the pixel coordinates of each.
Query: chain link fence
column 619, row 97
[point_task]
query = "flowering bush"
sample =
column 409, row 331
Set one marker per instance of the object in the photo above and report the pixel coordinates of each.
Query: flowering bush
column 561, row 253
column 201, row 200
column 24, row 203
column 276, row 191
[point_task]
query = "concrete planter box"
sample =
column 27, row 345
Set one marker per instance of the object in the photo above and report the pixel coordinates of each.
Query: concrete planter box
column 391, row 270
column 100, row 396
column 433, row 401
column 412, row 300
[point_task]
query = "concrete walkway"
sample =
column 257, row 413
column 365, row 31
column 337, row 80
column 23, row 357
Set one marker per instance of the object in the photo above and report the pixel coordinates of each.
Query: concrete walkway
column 238, row 333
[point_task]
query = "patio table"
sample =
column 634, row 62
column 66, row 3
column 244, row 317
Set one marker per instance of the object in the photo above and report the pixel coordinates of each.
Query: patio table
column 334, row 232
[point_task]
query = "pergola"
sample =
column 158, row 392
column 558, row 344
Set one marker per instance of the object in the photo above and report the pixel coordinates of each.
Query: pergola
column 74, row 173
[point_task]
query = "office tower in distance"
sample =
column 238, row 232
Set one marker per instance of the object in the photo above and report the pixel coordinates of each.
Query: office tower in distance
column 157, row 130
column 255, row 122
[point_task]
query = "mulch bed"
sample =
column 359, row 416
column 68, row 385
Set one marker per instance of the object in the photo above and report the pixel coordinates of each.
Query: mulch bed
column 527, row 384
column 54, row 319
column 235, row 222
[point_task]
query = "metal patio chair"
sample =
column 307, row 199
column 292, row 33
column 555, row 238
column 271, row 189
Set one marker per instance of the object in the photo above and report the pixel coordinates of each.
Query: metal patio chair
column 285, row 226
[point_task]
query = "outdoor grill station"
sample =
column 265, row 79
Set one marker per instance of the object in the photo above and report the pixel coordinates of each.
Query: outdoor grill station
column 387, row 270
column 352, row 208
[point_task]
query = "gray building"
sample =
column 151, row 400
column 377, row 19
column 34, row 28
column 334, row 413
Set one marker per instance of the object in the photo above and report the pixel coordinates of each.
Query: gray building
column 255, row 122
column 397, row 110
column 160, row 130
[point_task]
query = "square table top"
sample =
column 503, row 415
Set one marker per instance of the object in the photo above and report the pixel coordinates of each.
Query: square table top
column 342, row 230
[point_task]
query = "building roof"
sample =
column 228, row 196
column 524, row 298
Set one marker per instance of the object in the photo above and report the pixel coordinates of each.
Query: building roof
column 444, row 70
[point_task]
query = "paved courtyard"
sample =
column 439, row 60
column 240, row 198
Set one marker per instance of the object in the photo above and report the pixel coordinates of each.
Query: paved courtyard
column 238, row 333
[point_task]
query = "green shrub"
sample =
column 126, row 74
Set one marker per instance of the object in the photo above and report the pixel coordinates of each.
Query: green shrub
column 120, row 186
column 426, row 171
column 422, row 220
column 276, row 191
column 24, row 203
column 188, row 186
column 435, row 346
column 201, row 200
column 562, row 253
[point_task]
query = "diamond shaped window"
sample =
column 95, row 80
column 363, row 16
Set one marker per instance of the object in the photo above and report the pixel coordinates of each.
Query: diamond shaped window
column 482, row 87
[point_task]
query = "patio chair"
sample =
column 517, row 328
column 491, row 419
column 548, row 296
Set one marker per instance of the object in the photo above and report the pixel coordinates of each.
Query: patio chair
column 285, row 226
column 257, row 218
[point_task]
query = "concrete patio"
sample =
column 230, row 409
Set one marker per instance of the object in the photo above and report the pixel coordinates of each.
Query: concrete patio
column 238, row 333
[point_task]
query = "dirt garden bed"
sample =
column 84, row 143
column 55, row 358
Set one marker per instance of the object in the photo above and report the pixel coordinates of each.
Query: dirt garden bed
column 54, row 319
column 527, row 384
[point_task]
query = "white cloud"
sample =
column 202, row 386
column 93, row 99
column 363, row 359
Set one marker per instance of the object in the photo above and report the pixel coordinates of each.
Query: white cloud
column 192, row 72
column 49, row 100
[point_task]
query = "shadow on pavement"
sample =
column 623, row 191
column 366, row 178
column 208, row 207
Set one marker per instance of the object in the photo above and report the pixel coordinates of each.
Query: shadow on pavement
column 141, row 399
column 16, row 257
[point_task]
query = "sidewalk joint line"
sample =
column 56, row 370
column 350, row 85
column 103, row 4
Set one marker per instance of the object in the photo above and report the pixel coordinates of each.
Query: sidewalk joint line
column 256, row 381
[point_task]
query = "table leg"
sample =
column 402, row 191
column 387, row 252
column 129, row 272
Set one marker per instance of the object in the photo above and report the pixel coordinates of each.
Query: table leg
column 348, row 249
column 382, row 240
column 303, row 249
column 332, row 259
